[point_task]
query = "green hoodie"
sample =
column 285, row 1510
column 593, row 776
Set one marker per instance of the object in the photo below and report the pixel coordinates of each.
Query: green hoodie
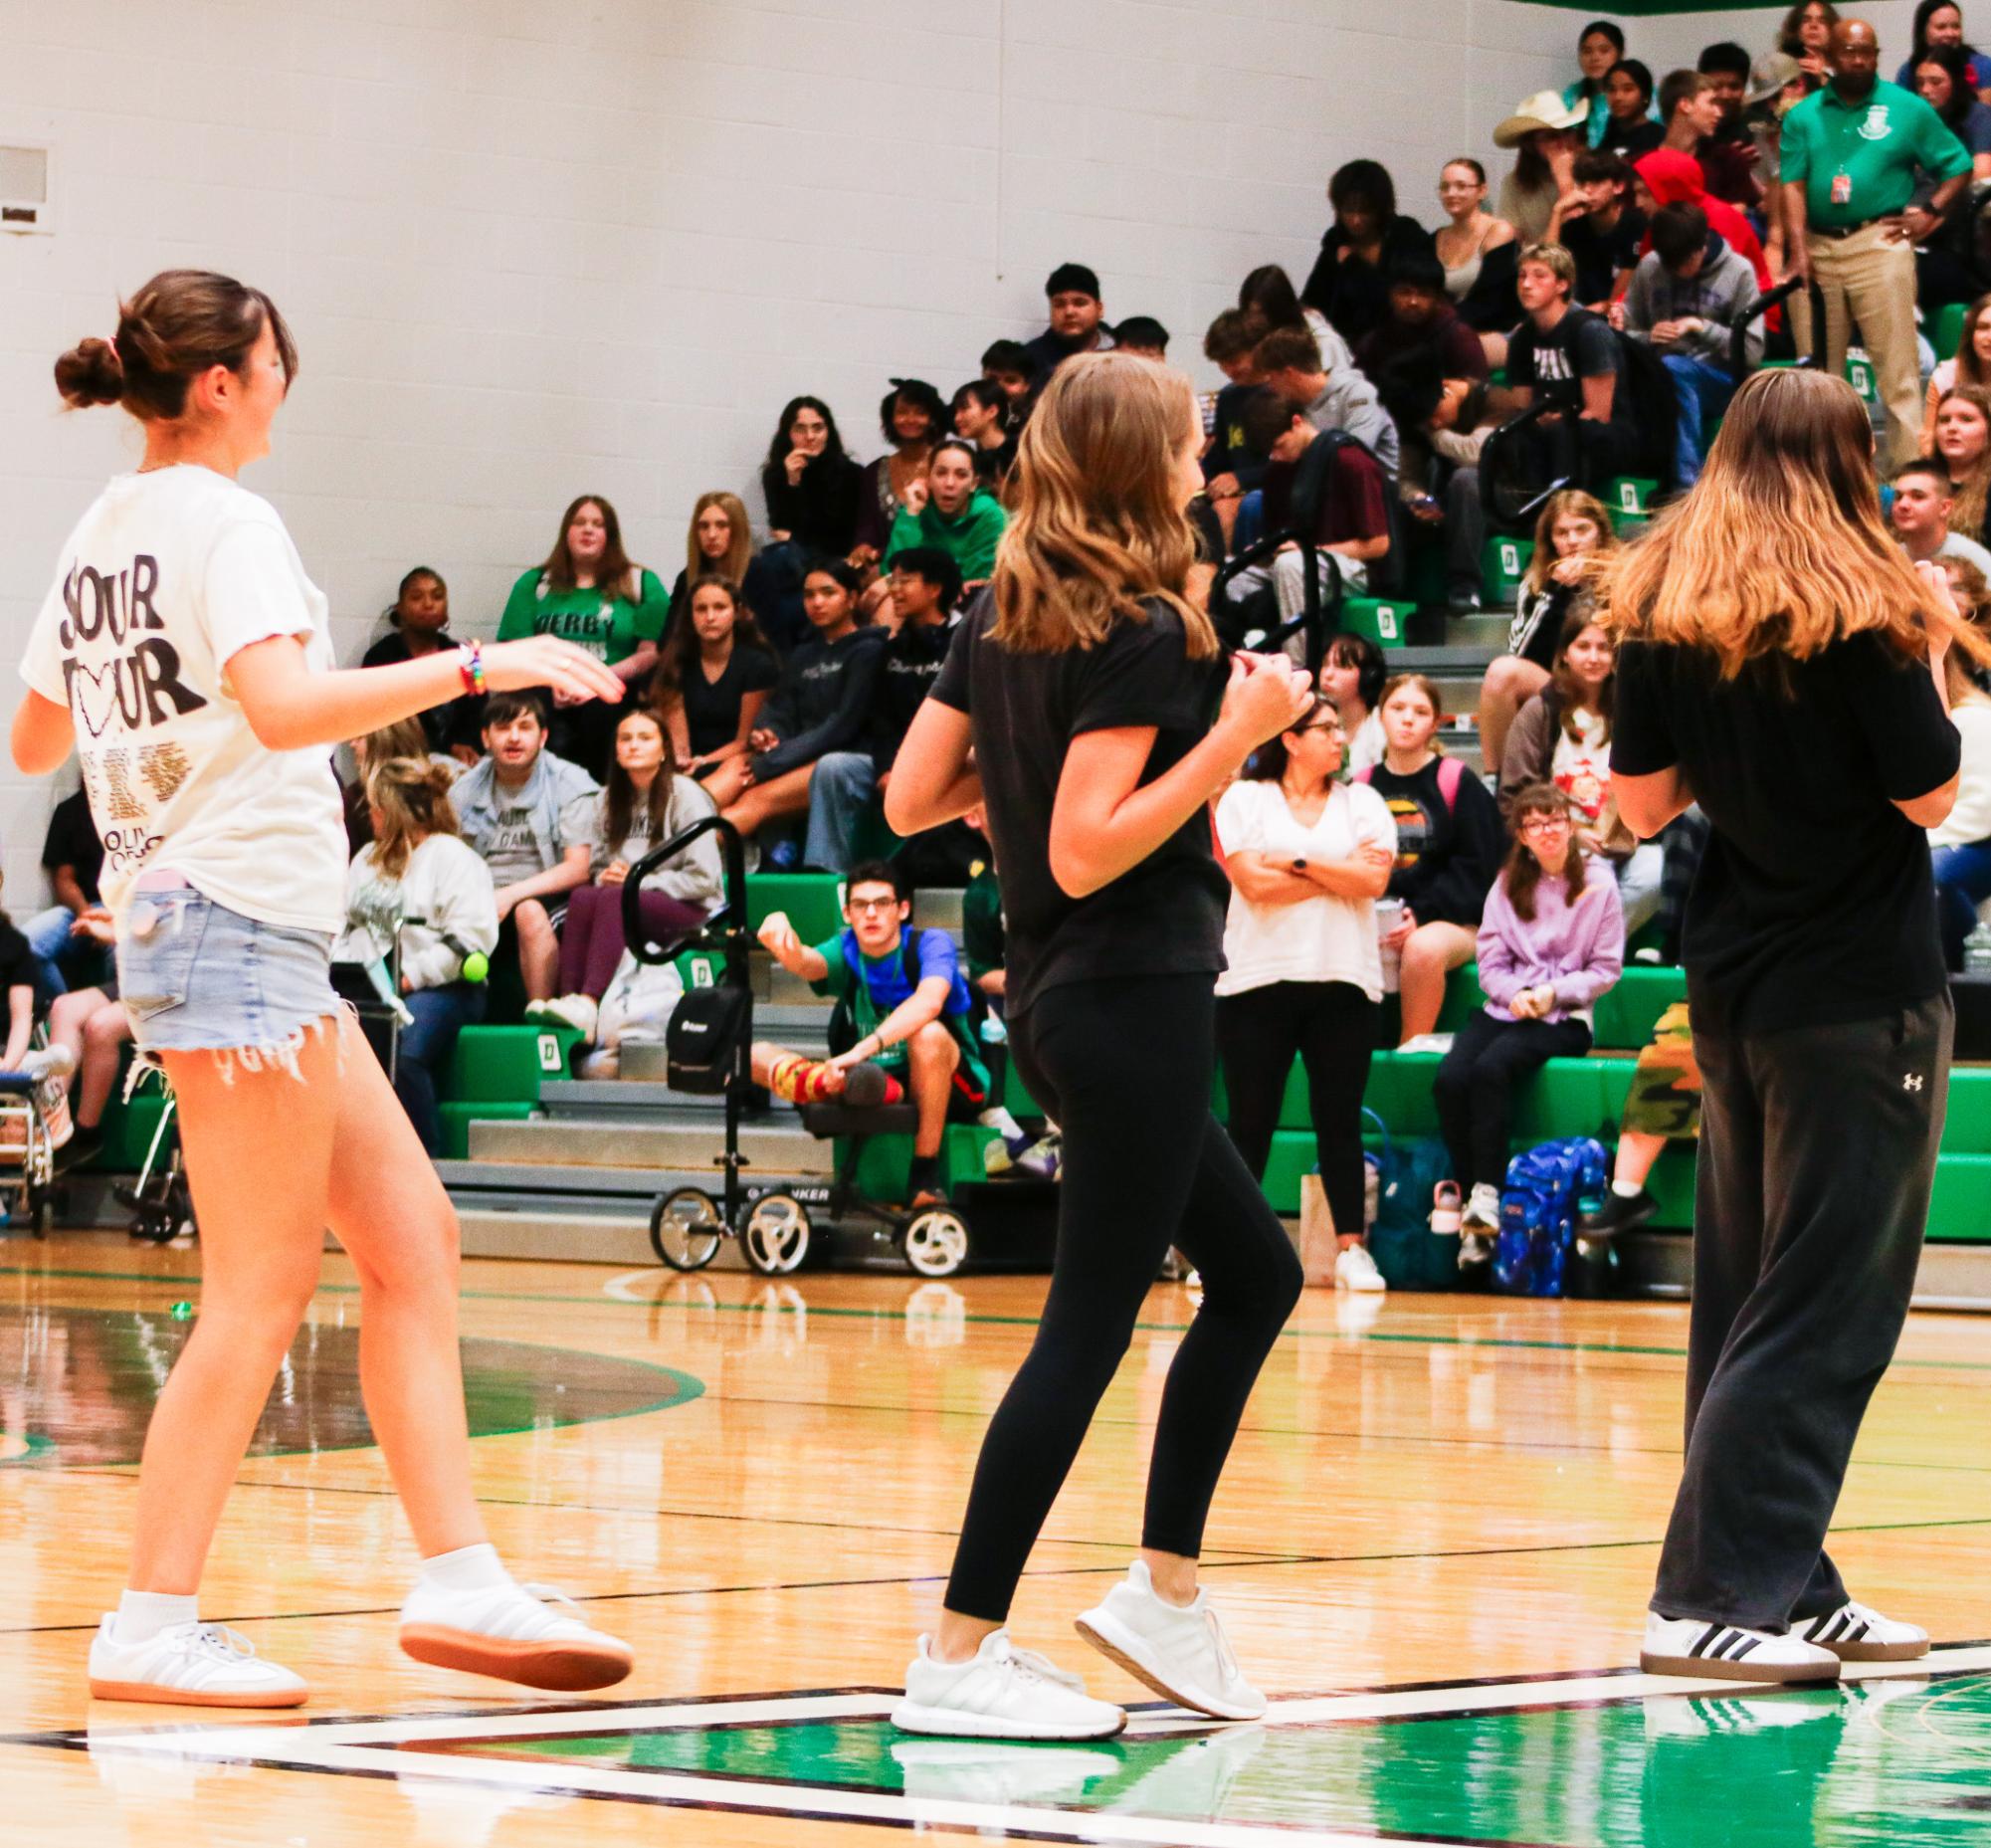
column 969, row 537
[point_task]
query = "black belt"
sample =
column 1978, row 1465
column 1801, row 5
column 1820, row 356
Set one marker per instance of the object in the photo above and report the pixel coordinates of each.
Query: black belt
column 1835, row 232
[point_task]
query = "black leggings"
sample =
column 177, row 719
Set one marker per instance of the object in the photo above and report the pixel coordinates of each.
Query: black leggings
column 1124, row 1067
column 1475, row 1084
column 1331, row 1026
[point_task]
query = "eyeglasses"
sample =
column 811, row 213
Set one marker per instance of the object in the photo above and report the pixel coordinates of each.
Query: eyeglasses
column 1545, row 824
column 874, row 905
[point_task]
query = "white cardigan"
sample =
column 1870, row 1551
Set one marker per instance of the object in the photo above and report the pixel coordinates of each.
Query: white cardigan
column 445, row 891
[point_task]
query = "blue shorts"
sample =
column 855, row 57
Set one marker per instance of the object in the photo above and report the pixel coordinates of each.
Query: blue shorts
column 196, row 976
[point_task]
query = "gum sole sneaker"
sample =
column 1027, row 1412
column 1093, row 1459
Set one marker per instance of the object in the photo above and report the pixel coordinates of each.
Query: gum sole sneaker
column 1726, row 1652
column 1180, row 1651
column 1001, row 1692
column 188, row 1665
column 1854, row 1633
column 512, row 1633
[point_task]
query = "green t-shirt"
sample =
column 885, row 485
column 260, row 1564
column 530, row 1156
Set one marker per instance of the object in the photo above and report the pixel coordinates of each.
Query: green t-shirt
column 969, row 537
column 610, row 626
column 1879, row 145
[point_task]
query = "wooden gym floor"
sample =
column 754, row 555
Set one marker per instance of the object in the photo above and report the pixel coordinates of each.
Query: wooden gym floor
column 1433, row 1549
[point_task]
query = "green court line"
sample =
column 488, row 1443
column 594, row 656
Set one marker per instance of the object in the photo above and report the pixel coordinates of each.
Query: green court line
column 835, row 1311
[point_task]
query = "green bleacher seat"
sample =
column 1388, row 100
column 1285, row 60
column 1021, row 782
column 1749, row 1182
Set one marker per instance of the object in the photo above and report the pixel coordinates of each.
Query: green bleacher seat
column 1947, row 332
column 507, row 1065
column 1859, row 375
column 814, row 902
column 882, row 1169
column 1625, row 1017
column 1384, row 620
column 1630, row 494
column 1502, row 563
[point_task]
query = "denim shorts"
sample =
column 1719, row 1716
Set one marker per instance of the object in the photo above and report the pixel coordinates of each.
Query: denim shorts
column 196, row 976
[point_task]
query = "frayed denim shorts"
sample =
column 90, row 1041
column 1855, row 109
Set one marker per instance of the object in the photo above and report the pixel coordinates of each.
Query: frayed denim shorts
column 196, row 976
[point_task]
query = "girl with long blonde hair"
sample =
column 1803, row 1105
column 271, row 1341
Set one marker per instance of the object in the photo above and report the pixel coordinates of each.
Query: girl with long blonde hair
column 1962, row 437
column 1784, row 665
column 1102, row 722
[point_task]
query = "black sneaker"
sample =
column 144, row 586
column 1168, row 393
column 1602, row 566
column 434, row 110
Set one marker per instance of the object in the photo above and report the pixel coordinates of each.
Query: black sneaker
column 83, row 1144
column 1618, row 1214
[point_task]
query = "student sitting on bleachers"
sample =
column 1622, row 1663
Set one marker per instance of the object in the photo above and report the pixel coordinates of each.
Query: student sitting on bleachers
column 720, row 543
column 949, row 509
column 1009, row 366
column 1349, row 280
column 642, row 806
column 1963, row 441
column 1970, row 364
column 982, row 417
column 96, row 1026
column 1449, row 846
column 1571, row 529
column 1551, row 941
column 1344, row 399
column 418, row 625
column 902, row 1008
column 1960, row 849
column 1571, row 359
column 820, row 705
column 1920, row 515
column 1232, row 470
column 1352, row 673
column 1143, row 336
column 417, row 883
column 72, row 858
column 911, row 416
column 1599, row 226
column 810, row 485
column 1563, row 736
column 713, row 678
column 1663, row 1106
column 528, row 813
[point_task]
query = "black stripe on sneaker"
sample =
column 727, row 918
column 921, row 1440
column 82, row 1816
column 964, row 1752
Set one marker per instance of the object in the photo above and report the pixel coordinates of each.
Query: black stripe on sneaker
column 1854, row 1635
column 1742, row 1648
column 1710, row 1635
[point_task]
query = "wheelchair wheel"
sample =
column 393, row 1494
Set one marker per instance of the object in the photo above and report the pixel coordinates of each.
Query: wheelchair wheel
column 774, row 1234
column 686, row 1229
column 936, row 1242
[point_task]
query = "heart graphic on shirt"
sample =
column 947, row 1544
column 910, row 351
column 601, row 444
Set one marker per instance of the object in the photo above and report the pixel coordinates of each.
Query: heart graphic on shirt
column 94, row 696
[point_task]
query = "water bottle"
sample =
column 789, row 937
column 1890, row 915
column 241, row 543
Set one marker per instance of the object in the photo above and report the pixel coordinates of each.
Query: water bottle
column 1389, row 914
column 1372, row 1190
column 1977, row 950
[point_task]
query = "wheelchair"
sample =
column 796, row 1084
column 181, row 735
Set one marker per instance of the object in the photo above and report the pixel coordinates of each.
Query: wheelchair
column 780, row 1225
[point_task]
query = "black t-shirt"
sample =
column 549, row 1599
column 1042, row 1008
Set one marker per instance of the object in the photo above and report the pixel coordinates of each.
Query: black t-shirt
column 1813, row 901
column 711, row 707
column 73, row 842
column 454, row 722
column 1164, row 917
column 18, row 967
column 1580, row 346
column 1600, row 253
column 1447, row 854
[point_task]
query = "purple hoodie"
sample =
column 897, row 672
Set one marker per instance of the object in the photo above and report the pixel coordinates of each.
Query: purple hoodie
column 1578, row 949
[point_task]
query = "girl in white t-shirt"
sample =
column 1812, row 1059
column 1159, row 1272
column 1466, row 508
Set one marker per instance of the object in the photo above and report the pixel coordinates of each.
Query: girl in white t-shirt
column 1307, row 857
column 183, row 653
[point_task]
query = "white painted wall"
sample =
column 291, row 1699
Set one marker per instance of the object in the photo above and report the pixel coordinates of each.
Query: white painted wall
column 533, row 249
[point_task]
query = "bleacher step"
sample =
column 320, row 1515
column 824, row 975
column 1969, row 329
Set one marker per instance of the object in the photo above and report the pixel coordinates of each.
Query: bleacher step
column 626, row 1142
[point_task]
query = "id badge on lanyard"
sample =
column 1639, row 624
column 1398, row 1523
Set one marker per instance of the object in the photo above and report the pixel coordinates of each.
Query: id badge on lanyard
column 1842, row 188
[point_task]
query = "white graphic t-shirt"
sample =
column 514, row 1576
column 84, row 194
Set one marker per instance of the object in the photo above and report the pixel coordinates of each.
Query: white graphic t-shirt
column 167, row 576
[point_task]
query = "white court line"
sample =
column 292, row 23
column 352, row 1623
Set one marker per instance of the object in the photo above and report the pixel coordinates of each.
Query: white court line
column 378, row 1747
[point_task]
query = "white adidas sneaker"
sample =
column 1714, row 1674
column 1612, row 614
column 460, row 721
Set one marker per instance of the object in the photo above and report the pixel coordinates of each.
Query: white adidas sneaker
column 1727, row 1652
column 188, row 1665
column 1854, row 1633
column 512, row 1633
column 579, row 1011
column 1180, row 1650
column 1355, row 1269
column 1000, row 1692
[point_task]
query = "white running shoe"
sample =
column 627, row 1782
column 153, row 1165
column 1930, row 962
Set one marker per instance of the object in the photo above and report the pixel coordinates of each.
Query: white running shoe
column 1180, row 1650
column 1726, row 1652
column 1854, row 1633
column 1001, row 1692
column 188, row 1665
column 510, row 1632
column 1355, row 1269
column 579, row 1011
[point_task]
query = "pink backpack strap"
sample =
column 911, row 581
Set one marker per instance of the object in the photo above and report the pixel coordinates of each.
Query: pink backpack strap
column 1451, row 773
column 1366, row 774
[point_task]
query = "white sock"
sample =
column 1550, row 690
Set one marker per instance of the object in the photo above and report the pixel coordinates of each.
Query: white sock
column 1000, row 1122
column 141, row 1615
column 469, row 1569
column 1627, row 1189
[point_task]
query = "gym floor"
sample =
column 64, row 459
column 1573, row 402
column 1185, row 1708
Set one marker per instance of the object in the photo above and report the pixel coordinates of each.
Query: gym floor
column 1433, row 1549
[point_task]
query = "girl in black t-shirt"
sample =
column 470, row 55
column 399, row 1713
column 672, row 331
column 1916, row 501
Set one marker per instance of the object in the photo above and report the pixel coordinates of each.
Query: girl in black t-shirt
column 419, row 622
column 712, row 678
column 1086, row 684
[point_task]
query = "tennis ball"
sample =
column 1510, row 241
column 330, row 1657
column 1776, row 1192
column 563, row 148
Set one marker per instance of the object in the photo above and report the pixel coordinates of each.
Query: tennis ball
column 476, row 965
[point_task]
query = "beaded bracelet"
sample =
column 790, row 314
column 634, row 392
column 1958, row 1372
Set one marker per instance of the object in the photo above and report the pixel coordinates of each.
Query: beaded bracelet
column 470, row 664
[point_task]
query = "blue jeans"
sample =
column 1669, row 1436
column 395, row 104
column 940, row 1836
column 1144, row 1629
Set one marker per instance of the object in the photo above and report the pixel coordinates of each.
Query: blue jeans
column 1704, row 391
column 839, row 793
column 426, row 1045
column 1962, row 884
column 47, row 936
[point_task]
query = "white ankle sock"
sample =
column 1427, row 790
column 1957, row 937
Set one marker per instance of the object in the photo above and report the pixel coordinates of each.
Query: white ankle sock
column 1627, row 1189
column 141, row 1615
column 469, row 1569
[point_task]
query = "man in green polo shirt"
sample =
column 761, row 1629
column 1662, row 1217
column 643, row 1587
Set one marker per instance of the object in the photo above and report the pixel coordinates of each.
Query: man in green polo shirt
column 1853, row 153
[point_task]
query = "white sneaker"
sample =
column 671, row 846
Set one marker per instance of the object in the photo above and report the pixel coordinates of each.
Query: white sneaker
column 1726, row 1652
column 1483, row 1210
column 1180, row 1650
column 188, row 1665
column 508, row 1631
column 579, row 1011
column 1001, row 1692
column 1355, row 1269
column 1854, row 1633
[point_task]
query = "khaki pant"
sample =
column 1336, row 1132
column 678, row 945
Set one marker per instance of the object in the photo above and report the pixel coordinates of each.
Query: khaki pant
column 1868, row 280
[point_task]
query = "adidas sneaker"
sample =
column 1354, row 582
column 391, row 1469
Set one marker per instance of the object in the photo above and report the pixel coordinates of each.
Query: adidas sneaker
column 1727, row 1652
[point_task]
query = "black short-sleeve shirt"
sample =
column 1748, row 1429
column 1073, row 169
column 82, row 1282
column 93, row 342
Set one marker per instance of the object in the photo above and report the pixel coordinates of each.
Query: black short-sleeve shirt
column 1164, row 917
column 711, row 707
column 73, row 842
column 1553, row 365
column 1813, row 901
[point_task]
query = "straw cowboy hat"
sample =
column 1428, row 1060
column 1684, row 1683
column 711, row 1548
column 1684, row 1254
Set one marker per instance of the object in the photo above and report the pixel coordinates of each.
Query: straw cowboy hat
column 1544, row 109
column 1771, row 71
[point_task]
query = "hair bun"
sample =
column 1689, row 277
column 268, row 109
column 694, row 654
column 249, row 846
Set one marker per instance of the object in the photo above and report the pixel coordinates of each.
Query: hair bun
column 91, row 372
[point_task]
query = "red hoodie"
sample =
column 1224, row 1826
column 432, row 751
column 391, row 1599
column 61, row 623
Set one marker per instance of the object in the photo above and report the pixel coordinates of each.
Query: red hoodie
column 1674, row 178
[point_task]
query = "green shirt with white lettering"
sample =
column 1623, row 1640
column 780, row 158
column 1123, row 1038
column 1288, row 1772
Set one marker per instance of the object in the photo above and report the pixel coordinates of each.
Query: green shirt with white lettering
column 606, row 624
column 1881, row 144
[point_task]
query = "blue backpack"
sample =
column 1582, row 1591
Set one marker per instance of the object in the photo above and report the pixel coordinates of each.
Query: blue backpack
column 1549, row 1188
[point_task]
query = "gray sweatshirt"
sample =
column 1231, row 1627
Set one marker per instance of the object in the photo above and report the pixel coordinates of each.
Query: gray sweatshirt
column 1725, row 286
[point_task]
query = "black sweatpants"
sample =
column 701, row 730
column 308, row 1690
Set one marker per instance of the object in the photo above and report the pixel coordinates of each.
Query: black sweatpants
column 1125, row 1067
column 1331, row 1026
column 1476, row 1083
column 1818, row 1150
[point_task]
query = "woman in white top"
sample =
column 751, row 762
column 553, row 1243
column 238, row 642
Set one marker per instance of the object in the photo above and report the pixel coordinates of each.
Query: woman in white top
column 419, row 884
column 183, row 652
column 1307, row 857
column 1960, row 847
